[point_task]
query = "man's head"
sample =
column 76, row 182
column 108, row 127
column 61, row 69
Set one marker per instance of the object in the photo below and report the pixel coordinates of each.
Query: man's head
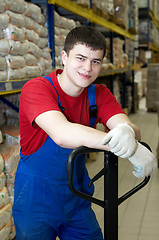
column 87, row 36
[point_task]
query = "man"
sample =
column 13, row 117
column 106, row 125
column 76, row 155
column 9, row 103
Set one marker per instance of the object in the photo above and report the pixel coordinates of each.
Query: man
column 55, row 117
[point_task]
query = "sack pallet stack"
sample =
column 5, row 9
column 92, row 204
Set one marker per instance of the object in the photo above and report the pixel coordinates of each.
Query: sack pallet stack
column 9, row 158
column 24, row 51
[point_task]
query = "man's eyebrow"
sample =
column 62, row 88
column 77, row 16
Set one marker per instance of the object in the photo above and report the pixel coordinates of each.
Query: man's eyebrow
column 96, row 59
column 78, row 54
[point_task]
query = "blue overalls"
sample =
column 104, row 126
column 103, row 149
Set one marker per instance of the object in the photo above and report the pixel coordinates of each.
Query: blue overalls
column 44, row 207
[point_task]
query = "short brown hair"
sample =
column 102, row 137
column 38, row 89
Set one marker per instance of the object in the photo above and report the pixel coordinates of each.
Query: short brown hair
column 87, row 36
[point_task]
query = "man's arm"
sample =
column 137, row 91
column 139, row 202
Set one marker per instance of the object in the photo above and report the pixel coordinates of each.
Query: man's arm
column 67, row 134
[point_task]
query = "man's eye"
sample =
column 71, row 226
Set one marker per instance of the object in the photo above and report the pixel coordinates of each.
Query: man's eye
column 80, row 58
column 95, row 62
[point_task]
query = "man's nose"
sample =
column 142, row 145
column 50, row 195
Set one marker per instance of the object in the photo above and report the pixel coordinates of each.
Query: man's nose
column 87, row 65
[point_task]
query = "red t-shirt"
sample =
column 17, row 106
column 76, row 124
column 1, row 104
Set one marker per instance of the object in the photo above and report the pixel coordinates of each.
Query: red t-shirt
column 38, row 96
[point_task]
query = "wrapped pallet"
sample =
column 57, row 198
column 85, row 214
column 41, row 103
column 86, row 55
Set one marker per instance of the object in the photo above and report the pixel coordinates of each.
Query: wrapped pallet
column 121, row 13
column 22, row 31
column 152, row 96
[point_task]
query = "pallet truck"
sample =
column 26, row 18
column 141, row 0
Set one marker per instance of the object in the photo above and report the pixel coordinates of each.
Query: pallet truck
column 111, row 200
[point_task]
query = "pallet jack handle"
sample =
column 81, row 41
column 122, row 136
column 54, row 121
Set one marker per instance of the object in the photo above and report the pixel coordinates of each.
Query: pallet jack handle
column 111, row 200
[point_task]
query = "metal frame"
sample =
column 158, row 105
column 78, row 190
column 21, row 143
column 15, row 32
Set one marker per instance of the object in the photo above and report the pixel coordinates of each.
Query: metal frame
column 111, row 200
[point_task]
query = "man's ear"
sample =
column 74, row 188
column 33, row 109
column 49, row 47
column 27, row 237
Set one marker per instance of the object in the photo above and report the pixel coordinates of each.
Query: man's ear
column 64, row 57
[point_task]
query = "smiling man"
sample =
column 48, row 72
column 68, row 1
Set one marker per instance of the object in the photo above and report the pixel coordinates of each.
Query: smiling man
column 58, row 113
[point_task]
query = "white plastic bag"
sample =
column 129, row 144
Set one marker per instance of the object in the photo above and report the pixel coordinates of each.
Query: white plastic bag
column 3, row 64
column 31, row 60
column 2, row 6
column 5, row 231
column 33, row 71
column 4, row 197
column 17, row 6
column 18, row 48
column 1, row 164
column 2, row 180
column 16, row 19
column 34, row 49
column 5, row 215
column 4, row 20
column 4, row 47
column 15, row 62
column 3, row 75
column 43, row 42
column 16, row 73
column 14, row 33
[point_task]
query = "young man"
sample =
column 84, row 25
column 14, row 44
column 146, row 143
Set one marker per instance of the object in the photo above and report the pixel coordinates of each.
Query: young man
column 54, row 119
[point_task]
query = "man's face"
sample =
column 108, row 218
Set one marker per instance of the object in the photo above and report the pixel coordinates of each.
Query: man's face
column 82, row 65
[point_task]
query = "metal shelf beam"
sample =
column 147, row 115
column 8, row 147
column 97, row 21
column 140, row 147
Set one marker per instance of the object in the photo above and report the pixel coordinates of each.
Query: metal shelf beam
column 89, row 14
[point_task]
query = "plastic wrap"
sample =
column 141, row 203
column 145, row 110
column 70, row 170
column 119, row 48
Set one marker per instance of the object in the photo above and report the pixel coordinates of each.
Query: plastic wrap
column 2, row 6
column 41, row 65
column 11, row 157
column 121, row 13
column 4, row 197
column 4, row 20
column 48, row 71
column 10, row 177
column 12, row 134
column 18, row 48
column 110, row 7
column 4, row 47
column 3, row 64
column 33, row 71
column 5, row 231
column 1, row 137
column 1, row 34
column 34, row 49
column 84, row 3
column 142, row 3
column 43, row 42
column 16, row 73
column 58, row 51
column 16, row 19
column 34, row 11
column 1, row 164
column 14, row 33
column 3, row 75
column 48, row 63
column 30, row 23
column 15, row 62
column 32, row 36
column 12, row 230
column 17, row 6
column 46, row 52
column 2, row 180
column 58, row 40
column 5, row 215
column 31, row 60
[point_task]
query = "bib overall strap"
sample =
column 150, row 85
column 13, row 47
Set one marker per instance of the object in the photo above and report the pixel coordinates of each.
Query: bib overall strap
column 59, row 102
column 92, row 106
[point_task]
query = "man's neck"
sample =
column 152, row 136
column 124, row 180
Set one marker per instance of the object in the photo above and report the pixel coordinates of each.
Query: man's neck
column 69, row 89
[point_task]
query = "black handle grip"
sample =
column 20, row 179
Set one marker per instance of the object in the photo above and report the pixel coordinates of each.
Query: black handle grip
column 70, row 170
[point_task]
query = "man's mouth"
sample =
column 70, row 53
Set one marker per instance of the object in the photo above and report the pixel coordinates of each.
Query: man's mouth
column 83, row 75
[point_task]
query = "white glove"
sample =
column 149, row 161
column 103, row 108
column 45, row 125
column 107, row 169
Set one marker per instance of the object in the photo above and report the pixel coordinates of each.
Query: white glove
column 144, row 162
column 121, row 140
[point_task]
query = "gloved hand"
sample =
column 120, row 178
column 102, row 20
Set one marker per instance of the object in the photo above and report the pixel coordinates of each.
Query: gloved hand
column 144, row 162
column 121, row 140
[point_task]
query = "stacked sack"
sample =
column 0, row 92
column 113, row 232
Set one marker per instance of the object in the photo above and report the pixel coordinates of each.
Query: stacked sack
column 9, row 158
column 23, row 41
column 120, row 59
column 61, row 28
column 103, row 8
